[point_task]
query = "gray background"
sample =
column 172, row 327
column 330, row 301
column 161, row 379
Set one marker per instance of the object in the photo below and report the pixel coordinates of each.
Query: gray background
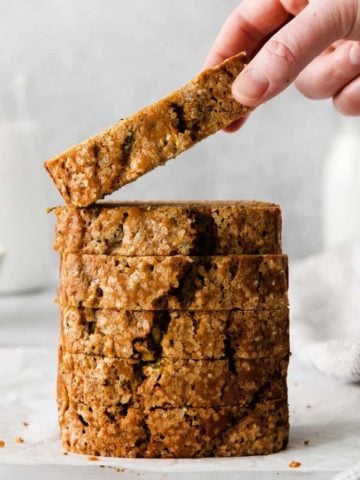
column 91, row 62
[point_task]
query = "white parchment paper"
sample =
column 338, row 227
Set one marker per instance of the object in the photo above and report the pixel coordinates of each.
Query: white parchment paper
column 324, row 413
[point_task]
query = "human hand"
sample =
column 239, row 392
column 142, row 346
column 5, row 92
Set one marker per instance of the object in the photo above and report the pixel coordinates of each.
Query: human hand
column 314, row 42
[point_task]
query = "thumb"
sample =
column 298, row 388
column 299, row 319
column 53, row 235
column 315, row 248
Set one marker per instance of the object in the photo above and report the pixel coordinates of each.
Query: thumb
column 287, row 53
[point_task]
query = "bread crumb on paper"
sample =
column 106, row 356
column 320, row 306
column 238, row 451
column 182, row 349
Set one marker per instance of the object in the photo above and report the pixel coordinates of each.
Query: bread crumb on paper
column 26, row 424
column 19, row 440
column 92, row 458
column 117, row 469
column 2, row 444
column 294, row 464
column 306, row 442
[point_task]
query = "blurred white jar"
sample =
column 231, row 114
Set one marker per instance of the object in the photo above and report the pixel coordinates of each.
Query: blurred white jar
column 341, row 185
column 24, row 227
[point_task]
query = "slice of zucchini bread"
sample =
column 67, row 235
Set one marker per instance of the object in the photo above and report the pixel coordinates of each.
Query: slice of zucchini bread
column 169, row 228
column 100, row 165
column 174, row 283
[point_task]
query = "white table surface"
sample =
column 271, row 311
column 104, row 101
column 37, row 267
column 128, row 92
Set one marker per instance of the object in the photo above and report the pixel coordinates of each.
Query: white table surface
column 323, row 412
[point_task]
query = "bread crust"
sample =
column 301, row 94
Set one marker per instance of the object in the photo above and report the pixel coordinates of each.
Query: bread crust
column 100, row 165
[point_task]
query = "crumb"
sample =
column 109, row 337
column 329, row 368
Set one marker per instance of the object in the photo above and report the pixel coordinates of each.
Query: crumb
column 308, row 406
column 26, row 424
column 92, row 458
column 65, row 453
column 18, row 440
column 306, row 442
column 102, row 466
column 2, row 444
column 117, row 469
column 294, row 464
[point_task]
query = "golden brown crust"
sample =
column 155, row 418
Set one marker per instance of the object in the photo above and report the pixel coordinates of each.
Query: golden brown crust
column 176, row 433
column 87, row 172
column 119, row 383
column 177, row 334
column 174, row 283
column 153, row 228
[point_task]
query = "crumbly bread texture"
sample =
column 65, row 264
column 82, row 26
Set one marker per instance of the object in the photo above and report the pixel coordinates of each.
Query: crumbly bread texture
column 154, row 228
column 119, row 383
column 257, row 429
column 119, row 155
column 177, row 334
column 174, row 283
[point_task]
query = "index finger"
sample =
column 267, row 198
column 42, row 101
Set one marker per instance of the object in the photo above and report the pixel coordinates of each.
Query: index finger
column 245, row 29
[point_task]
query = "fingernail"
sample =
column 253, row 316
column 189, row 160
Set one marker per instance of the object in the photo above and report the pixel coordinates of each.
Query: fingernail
column 250, row 86
column 354, row 54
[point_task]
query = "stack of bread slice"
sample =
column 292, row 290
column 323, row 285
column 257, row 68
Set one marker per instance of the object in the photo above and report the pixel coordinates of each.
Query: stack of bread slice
column 174, row 329
column 174, row 316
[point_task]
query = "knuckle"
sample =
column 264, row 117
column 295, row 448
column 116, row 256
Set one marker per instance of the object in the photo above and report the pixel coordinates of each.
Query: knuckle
column 347, row 17
column 280, row 58
column 283, row 51
column 339, row 70
column 249, row 30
